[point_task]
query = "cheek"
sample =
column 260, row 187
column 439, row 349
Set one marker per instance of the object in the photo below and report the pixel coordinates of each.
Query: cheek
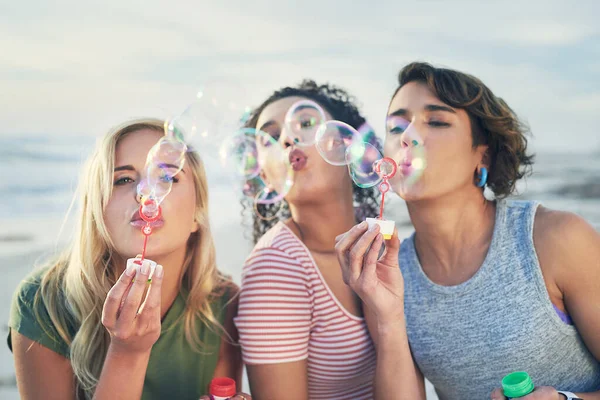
column 182, row 203
column 116, row 211
column 392, row 147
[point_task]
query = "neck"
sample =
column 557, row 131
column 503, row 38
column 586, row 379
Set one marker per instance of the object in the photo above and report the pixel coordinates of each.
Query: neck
column 318, row 224
column 454, row 231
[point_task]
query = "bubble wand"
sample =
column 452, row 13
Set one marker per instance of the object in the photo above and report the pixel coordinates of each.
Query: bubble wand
column 386, row 168
column 147, row 229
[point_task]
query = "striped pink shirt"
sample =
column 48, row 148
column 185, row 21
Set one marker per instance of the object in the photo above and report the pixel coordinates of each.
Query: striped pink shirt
column 288, row 313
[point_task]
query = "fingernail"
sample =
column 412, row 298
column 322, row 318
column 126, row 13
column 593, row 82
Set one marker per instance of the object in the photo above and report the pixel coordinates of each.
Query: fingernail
column 158, row 272
column 363, row 225
column 145, row 268
column 130, row 270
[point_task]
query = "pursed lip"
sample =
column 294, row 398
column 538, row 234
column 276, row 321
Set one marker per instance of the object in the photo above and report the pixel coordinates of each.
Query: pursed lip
column 297, row 159
column 405, row 166
column 138, row 222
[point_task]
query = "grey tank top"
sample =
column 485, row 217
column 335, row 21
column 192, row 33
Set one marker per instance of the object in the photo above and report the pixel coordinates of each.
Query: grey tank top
column 465, row 338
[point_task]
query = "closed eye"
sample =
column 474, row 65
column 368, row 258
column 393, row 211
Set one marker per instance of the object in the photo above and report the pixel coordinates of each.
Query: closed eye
column 167, row 178
column 438, row 124
column 396, row 130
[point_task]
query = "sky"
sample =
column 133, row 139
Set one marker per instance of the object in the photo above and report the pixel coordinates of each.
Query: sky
column 78, row 68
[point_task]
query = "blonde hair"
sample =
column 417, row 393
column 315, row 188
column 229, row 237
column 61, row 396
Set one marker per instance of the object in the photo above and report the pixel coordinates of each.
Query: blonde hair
column 79, row 280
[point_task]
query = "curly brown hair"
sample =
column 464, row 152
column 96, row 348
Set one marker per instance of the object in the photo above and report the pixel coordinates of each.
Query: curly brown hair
column 493, row 122
column 341, row 106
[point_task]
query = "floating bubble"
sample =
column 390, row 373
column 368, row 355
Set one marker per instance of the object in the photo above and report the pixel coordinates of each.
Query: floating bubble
column 303, row 120
column 364, row 163
column 212, row 116
column 262, row 193
column 257, row 163
column 334, row 138
column 413, row 163
column 251, row 187
column 239, row 154
column 165, row 159
column 410, row 145
column 396, row 125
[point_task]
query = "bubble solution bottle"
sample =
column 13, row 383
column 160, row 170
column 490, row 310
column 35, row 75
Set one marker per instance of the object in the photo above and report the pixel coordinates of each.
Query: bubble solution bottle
column 517, row 384
column 222, row 388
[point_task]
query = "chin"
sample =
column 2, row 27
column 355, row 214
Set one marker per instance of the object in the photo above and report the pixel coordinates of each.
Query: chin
column 409, row 191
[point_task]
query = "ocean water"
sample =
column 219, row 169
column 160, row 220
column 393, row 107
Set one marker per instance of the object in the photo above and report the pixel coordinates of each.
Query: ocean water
column 41, row 173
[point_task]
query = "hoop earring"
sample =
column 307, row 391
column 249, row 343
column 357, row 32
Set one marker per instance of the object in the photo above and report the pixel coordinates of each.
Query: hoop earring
column 257, row 211
column 482, row 177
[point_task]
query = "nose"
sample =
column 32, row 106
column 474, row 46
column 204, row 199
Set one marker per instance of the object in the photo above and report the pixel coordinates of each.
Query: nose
column 286, row 139
column 410, row 137
column 137, row 192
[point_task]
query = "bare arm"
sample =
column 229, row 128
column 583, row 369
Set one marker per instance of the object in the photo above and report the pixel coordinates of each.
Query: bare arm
column 230, row 356
column 568, row 249
column 279, row 381
column 394, row 358
column 41, row 372
column 569, row 252
column 133, row 329
column 44, row 374
column 379, row 283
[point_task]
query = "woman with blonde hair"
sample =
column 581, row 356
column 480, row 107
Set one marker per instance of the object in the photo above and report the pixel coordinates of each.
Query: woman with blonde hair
column 85, row 326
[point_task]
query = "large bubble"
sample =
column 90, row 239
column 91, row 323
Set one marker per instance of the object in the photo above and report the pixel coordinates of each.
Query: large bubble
column 165, row 159
column 303, row 120
column 212, row 116
column 333, row 139
column 366, row 165
column 410, row 151
column 257, row 163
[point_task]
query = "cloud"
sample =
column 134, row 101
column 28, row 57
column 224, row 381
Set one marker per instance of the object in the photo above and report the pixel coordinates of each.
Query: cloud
column 74, row 67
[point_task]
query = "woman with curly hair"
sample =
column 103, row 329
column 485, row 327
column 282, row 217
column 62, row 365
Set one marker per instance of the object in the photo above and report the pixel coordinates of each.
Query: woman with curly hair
column 301, row 329
column 483, row 287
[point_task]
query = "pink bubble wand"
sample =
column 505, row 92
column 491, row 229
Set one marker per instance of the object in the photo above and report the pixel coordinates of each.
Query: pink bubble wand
column 147, row 229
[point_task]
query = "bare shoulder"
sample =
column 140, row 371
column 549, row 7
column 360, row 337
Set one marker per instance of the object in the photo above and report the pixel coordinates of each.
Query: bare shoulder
column 566, row 243
column 561, row 230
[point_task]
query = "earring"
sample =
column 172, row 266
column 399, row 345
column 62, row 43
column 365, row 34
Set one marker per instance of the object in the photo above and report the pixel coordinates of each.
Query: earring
column 482, row 177
column 266, row 206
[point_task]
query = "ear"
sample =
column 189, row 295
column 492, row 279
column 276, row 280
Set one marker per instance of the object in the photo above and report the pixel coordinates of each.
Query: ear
column 263, row 176
column 195, row 226
column 483, row 154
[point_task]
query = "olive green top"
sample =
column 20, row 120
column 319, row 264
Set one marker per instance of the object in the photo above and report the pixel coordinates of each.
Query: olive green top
column 175, row 370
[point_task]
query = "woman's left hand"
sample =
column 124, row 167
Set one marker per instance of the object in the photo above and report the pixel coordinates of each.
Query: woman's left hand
column 239, row 396
column 540, row 393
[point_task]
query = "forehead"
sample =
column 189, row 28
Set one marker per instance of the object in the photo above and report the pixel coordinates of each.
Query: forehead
column 413, row 96
column 276, row 110
column 135, row 146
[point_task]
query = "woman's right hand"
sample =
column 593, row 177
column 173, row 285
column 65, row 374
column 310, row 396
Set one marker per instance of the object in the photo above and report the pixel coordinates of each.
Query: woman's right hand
column 377, row 280
column 134, row 326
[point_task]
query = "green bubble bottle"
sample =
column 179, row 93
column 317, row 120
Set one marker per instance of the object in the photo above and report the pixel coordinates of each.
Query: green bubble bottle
column 517, row 384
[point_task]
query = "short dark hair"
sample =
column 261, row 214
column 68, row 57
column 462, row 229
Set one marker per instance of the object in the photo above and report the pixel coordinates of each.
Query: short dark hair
column 493, row 122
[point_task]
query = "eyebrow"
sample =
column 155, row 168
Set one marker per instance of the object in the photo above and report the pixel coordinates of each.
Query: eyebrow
column 131, row 168
column 428, row 107
column 437, row 107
